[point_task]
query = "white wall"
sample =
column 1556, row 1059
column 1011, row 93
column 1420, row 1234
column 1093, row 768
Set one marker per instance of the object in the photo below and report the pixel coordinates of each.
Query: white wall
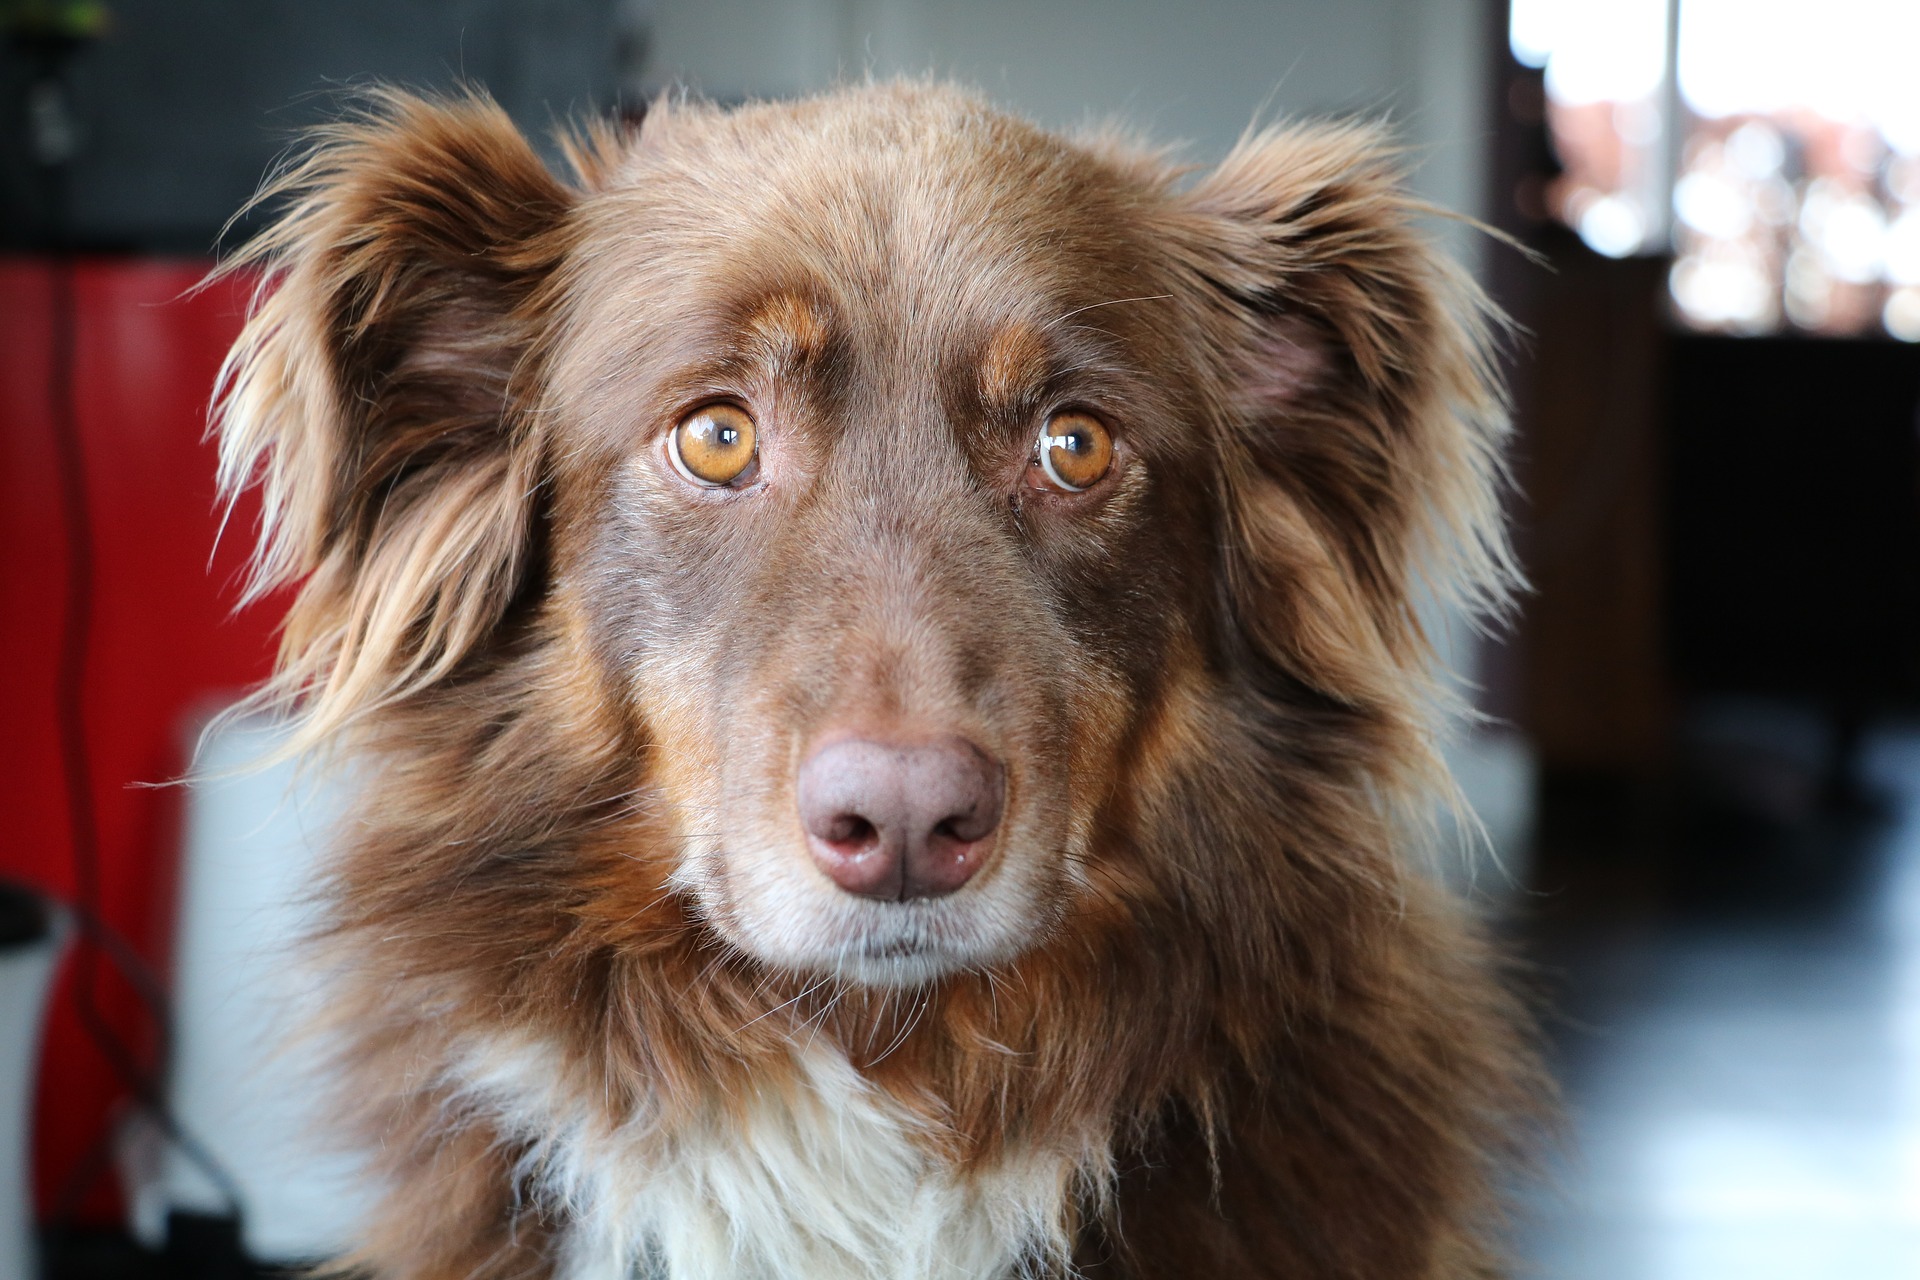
column 1196, row 72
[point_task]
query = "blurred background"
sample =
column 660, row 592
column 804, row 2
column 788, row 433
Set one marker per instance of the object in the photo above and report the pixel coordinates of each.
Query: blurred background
column 1701, row 763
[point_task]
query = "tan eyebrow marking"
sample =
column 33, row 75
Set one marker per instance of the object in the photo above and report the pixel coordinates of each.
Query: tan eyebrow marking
column 1013, row 363
column 789, row 330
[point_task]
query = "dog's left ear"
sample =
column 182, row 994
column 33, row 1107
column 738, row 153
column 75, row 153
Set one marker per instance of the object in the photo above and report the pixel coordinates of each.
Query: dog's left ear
column 380, row 395
column 1364, row 419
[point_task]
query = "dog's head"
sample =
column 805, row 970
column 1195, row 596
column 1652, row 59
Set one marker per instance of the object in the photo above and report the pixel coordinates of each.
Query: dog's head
column 887, row 491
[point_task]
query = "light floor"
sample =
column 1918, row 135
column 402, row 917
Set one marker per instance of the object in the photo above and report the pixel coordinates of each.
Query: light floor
column 1745, row 1093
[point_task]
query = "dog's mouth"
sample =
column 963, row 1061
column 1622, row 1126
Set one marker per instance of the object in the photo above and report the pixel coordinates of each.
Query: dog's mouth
column 818, row 930
column 904, row 961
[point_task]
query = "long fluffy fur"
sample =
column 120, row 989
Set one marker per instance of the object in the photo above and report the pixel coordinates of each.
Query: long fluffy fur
column 1241, row 1037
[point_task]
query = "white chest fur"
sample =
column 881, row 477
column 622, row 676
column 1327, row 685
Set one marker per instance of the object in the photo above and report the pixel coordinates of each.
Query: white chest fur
column 819, row 1182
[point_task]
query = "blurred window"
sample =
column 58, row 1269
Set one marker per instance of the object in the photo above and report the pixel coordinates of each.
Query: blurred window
column 1773, row 146
column 1607, row 75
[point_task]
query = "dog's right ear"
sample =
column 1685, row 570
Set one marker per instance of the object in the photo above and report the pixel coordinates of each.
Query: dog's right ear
column 378, row 395
column 1364, row 468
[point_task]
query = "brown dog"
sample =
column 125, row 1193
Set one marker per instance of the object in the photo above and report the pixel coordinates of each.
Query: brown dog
column 882, row 644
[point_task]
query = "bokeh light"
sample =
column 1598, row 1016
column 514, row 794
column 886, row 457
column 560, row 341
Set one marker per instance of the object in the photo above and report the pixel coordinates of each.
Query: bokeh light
column 1794, row 188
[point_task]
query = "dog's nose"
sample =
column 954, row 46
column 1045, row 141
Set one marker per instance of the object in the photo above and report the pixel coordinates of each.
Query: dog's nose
column 899, row 820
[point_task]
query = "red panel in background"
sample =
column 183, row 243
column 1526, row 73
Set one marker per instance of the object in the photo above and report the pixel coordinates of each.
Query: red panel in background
column 166, row 642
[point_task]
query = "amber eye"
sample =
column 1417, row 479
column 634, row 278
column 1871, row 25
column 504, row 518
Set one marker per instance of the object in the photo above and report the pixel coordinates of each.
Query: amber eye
column 714, row 445
column 1075, row 450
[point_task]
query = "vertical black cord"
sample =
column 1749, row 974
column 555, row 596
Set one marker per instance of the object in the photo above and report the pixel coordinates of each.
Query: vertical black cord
column 76, row 636
column 146, row 1082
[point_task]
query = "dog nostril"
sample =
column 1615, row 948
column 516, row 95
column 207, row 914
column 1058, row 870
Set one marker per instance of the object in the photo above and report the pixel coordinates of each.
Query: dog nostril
column 973, row 824
column 850, row 830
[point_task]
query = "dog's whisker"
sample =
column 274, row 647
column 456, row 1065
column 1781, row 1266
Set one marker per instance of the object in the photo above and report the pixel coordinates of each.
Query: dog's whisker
column 782, row 1005
column 1111, row 302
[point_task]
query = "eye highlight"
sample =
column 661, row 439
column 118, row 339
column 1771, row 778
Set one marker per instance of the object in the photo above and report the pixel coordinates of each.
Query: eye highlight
column 715, row 445
column 1074, row 451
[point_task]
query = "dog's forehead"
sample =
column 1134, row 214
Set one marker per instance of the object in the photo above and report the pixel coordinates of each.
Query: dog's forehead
column 948, row 234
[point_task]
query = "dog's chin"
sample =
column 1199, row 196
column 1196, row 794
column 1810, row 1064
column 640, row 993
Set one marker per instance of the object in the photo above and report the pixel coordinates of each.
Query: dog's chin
column 818, row 931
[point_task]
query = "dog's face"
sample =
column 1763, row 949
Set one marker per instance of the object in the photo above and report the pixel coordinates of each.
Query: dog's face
column 898, row 477
column 880, row 500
